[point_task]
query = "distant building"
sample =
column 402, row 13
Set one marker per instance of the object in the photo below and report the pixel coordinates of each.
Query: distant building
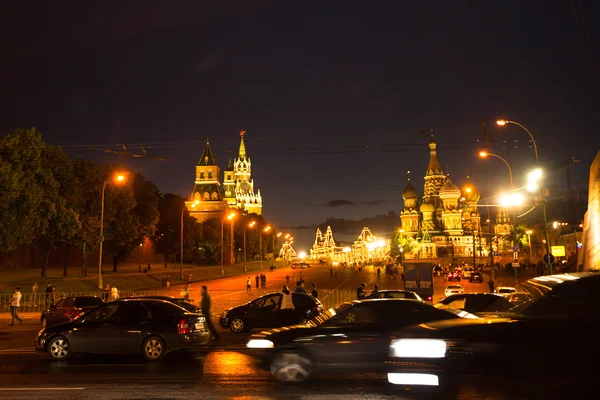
column 210, row 198
column 590, row 254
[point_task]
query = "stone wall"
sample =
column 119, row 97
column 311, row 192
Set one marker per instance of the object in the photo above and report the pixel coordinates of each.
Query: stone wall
column 590, row 254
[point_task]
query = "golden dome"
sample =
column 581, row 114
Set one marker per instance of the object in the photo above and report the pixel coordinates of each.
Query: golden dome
column 449, row 190
column 470, row 193
column 409, row 192
column 427, row 207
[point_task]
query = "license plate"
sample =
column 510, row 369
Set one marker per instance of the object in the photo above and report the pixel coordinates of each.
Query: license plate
column 199, row 325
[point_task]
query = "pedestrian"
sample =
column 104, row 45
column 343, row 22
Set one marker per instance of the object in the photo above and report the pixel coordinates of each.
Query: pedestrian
column 314, row 292
column 15, row 303
column 189, row 277
column 114, row 293
column 106, row 293
column 248, row 285
column 299, row 288
column 375, row 289
column 257, row 278
column 263, row 281
column 48, row 294
column 205, row 306
column 34, row 290
column 360, row 292
column 491, row 285
column 186, row 291
column 53, row 296
column 287, row 306
column 168, row 282
column 287, row 279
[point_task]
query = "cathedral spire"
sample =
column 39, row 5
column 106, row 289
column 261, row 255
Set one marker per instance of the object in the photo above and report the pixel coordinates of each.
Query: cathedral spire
column 434, row 167
column 242, row 152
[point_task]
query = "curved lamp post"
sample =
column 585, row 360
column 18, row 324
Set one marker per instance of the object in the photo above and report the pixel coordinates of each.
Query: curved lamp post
column 485, row 153
column 116, row 178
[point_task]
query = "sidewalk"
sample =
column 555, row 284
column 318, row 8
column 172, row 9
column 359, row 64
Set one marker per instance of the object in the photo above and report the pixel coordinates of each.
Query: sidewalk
column 127, row 278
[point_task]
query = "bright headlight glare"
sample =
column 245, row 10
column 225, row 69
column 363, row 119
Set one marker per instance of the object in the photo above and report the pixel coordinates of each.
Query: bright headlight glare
column 418, row 348
column 259, row 344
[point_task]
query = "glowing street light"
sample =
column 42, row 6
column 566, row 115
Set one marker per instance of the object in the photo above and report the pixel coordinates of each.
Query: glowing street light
column 529, row 232
column 231, row 218
column 504, row 122
column 117, row 178
column 511, row 200
column 485, row 153
column 302, row 255
column 250, row 225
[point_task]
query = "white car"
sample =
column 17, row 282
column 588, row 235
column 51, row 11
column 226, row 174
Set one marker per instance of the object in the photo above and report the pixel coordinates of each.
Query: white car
column 453, row 289
column 505, row 290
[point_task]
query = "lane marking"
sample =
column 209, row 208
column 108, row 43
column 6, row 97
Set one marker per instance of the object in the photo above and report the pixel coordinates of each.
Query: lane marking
column 39, row 389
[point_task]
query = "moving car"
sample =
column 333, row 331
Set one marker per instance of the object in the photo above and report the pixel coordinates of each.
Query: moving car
column 264, row 312
column 505, row 290
column 476, row 302
column 68, row 309
column 518, row 298
column 180, row 301
column 467, row 271
column 559, row 328
column 454, row 276
column 476, row 277
column 453, row 289
column 301, row 265
column 394, row 294
column 353, row 336
column 148, row 326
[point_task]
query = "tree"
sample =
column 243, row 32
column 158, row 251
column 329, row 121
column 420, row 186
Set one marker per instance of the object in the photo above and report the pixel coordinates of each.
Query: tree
column 166, row 236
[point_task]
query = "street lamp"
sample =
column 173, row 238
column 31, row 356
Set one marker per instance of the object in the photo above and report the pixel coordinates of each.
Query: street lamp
column 266, row 229
column 534, row 185
column 194, row 204
column 250, row 225
column 231, row 218
column 529, row 232
column 512, row 200
column 503, row 122
column 117, row 178
column 484, row 154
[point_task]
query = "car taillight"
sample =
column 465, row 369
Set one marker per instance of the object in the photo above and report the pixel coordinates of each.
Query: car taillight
column 183, row 327
column 429, row 298
column 73, row 314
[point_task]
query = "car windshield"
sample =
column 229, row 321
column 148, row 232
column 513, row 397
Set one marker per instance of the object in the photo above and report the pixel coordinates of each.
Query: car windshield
column 328, row 314
column 454, row 287
column 88, row 301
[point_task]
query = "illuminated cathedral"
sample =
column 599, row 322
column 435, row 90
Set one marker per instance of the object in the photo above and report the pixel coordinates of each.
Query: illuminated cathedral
column 212, row 197
column 447, row 222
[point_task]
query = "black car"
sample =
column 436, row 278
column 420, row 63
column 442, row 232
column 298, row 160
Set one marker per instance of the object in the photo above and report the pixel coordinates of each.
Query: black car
column 68, row 309
column 180, row 301
column 454, row 276
column 476, row 277
column 556, row 332
column 264, row 312
column 148, row 326
column 393, row 294
column 351, row 337
column 476, row 302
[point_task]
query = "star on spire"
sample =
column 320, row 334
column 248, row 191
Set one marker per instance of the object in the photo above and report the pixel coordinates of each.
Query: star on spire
column 242, row 133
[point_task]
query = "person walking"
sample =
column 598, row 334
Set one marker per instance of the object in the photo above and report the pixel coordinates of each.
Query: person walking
column 257, row 278
column 491, row 285
column 114, row 293
column 287, row 306
column 34, row 290
column 205, row 306
column 360, row 292
column 48, row 294
column 106, row 295
column 314, row 292
column 248, row 285
column 15, row 303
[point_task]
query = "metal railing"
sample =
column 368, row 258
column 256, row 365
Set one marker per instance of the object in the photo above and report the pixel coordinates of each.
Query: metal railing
column 221, row 299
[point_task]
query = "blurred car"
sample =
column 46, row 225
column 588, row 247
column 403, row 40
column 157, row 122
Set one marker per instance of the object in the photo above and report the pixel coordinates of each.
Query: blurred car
column 301, row 265
column 454, row 276
column 518, row 298
column 467, row 271
column 148, row 326
column 394, row 294
column 476, row 277
column 353, row 336
column 264, row 312
column 559, row 327
column 453, row 289
column 476, row 302
column 180, row 301
column 69, row 309
column 505, row 290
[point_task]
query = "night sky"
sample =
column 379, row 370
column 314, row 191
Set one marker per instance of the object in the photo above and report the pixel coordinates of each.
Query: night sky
column 334, row 95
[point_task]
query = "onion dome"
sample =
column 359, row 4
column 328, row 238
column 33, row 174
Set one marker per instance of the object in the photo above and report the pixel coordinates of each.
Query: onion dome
column 449, row 190
column 427, row 207
column 409, row 191
column 470, row 193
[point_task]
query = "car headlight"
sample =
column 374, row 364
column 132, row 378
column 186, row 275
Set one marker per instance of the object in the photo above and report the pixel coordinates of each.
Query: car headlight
column 259, row 344
column 418, row 348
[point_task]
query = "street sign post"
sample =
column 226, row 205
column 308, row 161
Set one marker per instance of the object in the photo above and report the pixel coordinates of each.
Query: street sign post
column 549, row 259
column 516, row 249
column 100, row 239
column 558, row 251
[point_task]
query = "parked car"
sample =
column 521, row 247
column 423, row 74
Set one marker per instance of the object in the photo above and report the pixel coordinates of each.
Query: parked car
column 148, row 326
column 476, row 277
column 505, row 290
column 351, row 337
column 394, row 294
column 264, row 312
column 467, row 271
column 69, row 309
column 453, row 289
column 559, row 328
column 476, row 302
column 301, row 265
column 518, row 298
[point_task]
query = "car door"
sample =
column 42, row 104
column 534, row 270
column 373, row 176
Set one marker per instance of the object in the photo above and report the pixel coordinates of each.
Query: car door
column 93, row 331
column 53, row 314
column 264, row 312
column 129, row 326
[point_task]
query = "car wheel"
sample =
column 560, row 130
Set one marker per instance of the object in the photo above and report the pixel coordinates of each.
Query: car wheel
column 237, row 325
column 44, row 323
column 291, row 367
column 303, row 321
column 59, row 348
column 154, row 348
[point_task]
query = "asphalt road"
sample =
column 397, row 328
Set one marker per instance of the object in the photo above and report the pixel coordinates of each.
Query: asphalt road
column 222, row 370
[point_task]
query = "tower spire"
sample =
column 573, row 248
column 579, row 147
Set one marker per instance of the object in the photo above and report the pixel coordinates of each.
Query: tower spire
column 408, row 174
column 434, row 167
column 242, row 152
